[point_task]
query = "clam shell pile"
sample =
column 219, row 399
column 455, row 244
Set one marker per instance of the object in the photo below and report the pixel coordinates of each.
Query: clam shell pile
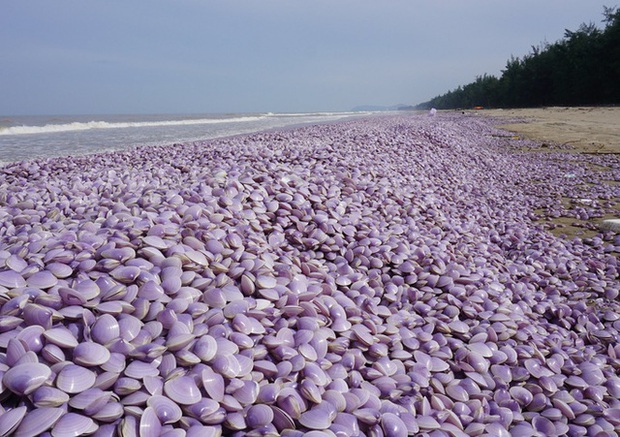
column 372, row 277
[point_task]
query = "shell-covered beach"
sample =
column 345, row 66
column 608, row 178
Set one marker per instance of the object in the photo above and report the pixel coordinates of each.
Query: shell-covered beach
column 395, row 275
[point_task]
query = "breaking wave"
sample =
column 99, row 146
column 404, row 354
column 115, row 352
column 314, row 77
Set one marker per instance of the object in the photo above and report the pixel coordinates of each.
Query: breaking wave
column 78, row 126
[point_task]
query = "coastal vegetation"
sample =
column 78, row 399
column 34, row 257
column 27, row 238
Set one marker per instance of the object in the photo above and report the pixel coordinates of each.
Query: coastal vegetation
column 583, row 68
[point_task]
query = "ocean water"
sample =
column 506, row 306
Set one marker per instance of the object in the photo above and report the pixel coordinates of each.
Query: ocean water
column 33, row 137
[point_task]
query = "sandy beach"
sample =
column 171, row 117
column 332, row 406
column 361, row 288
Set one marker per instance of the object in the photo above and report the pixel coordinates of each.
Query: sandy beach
column 586, row 130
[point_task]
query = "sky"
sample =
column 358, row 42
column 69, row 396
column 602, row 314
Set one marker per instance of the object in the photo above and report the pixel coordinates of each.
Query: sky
column 214, row 56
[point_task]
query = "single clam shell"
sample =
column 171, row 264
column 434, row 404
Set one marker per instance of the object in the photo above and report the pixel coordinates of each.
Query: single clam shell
column 43, row 280
column 121, row 254
column 110, row 412
column 106, row 380
column 46, row 396
column 125, row 386
column 11, row 279
column 61, row 337
column 32, row 338
column 11, row 419
column 52, row 354
column 140, row 369
column 16, row 263
column 73, row 424
column 71, row 297
column 227, row 366
column 207, row 410
column 259, row 415
column 105, row 329
column 235, row 421
column 213, row 384
column 116, row 363
column 362, row 334
column 167, row 411
column 60, row 270
column 393, row 425
column 266, row 281
column 281, row 419
column 24, row 379
column 36, row 422
column 317, row 418
column 247, row 393
column 125, row 274
column 156, row 242
column 90, row 401
column 522, row 395
column 149, row 423
column 543, row 425
column 75, row 379
column 90, row 354
column 153, row 384
column 88, row 288
column 8, row 323
column 428, row 422
column 129, row 327
column 15, row 350
column 34, row 314
column 182, row 390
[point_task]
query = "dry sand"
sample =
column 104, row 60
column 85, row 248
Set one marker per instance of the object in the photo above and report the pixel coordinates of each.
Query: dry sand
column 590, row 131
column 587, row 130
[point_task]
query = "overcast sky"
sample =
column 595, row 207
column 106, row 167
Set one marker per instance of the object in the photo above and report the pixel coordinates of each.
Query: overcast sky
column 191, row 56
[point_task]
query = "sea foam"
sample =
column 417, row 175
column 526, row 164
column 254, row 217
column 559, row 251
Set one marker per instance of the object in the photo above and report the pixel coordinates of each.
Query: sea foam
column 78, row 126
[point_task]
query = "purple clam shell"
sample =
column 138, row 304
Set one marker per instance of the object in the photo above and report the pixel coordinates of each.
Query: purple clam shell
column 105, row 329
column 110, row 412
column 72, row 424
column 320, row 417
column 43, row 280
column 393, row 426
column 75, row 379
column 10, row 420
column 259, row 415
column 24, row 379
column 90, row 401
column 90, row 354
column 149, row 422
column 182, row 390
column 167, row 410
column 61, row 337
column 46, row 396
column 36, row 422
column 16, row 263
column 11, row 279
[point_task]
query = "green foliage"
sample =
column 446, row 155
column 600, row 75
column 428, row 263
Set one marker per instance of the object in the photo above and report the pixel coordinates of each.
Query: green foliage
column 583, row 68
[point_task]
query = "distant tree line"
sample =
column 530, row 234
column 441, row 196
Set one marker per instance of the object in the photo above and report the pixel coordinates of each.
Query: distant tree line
column 583, row 68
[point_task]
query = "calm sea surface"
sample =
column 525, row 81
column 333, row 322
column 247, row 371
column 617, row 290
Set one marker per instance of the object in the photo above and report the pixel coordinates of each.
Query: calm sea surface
column 32, row 137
